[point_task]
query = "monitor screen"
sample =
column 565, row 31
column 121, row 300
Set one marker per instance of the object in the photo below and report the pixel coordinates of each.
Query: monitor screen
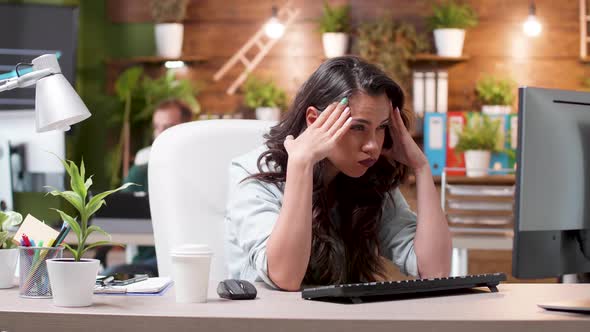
column 552, row 210
column 29, row 31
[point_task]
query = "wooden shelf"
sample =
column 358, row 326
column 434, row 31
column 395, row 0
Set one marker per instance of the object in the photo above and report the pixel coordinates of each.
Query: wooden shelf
column 427, row 57
column 155, row 60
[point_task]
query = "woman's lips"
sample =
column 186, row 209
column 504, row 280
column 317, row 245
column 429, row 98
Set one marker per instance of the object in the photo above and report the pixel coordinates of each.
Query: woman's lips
column 368, row 162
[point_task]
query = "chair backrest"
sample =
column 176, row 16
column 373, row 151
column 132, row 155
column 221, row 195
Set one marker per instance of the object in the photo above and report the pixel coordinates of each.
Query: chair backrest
column 188, row 183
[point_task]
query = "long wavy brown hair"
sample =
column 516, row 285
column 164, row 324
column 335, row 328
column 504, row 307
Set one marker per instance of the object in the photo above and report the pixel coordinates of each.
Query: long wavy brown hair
column 347, row 212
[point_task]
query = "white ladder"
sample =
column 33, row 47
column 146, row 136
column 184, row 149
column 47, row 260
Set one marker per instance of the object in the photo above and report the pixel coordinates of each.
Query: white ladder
column 287, row 15
column 584, row 18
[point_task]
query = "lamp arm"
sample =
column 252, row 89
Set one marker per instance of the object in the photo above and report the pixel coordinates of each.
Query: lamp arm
column 25, row 80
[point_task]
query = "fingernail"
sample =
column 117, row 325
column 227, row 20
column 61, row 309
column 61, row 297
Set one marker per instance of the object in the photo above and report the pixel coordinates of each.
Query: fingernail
column 397, row 109
column 347, row 109
column 344, row 101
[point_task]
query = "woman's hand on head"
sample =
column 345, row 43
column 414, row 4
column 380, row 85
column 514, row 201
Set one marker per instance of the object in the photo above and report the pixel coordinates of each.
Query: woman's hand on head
column 404, row 149
column 321, row 136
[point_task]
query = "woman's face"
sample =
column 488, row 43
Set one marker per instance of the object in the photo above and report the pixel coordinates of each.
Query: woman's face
column 361, row 146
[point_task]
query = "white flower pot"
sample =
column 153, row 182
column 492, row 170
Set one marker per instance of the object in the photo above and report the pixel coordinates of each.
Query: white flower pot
column 72, row 283
column 169, row 39
column 8, row 258
column 477, row 162
column 335, row 44
column 449, row 42
column 268, row 113
column 496, row 109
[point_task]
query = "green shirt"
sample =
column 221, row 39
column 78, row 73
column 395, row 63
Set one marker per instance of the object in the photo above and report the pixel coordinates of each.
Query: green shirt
column 138, row 174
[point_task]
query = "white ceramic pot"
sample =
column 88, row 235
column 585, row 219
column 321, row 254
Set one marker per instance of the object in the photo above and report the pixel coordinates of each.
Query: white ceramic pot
column 169, row 39
column 496, row 109
column 449, row 42
column 268, row 113
column 8, row 258
column 72, row 283
column 335, row 44
column 477, row 162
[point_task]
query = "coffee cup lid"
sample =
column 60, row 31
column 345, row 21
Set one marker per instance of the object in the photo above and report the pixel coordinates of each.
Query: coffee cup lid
column 191, row 249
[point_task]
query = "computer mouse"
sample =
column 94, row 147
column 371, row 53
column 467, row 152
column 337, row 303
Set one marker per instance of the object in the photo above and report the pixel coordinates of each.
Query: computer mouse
column 235, row 289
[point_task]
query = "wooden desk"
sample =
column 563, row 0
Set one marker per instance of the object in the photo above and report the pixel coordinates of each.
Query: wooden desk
column 514, row 308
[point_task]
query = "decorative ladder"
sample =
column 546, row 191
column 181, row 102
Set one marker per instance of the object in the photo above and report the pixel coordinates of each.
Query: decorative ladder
column 584, row 39
column 286, row 15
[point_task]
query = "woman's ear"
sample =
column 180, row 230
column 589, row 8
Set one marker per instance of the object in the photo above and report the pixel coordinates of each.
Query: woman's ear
column 311, row 114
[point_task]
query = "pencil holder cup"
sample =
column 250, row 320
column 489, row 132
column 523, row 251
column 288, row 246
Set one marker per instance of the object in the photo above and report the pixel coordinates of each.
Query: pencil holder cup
column 33, row 277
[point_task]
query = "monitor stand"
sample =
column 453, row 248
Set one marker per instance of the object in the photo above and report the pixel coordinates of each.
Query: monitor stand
column 580, row 306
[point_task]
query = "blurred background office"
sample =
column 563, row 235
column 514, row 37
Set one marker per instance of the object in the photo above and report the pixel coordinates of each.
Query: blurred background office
column 141, row 66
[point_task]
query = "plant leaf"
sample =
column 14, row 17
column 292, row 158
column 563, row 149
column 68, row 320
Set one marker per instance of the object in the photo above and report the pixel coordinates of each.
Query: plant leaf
column 72, row 250
column 93, row 229
column 70, row 196
column 97, row 201
column 99, row 244
column 88, row 182
column 72, row 223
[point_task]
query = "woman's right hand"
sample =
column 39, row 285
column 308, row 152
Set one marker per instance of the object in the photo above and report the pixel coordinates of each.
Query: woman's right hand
column 321, row 136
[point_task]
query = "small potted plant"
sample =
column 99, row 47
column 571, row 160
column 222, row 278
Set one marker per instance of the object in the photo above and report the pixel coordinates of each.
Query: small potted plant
column 8, row 251
column 495, row 94
column 335, row 26
column 449, row 21
column 72, row 279
column 169, row 30
column 478, row 139
column 265, row 97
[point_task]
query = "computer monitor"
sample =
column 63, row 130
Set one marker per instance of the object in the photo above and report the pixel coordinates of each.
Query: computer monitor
column 552, row 203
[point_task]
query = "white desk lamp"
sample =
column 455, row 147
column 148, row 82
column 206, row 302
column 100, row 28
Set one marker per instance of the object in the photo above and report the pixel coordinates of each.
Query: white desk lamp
column 57, row 105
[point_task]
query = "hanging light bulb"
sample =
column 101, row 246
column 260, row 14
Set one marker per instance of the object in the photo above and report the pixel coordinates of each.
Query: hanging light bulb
column 532, row 27
column 274, row 28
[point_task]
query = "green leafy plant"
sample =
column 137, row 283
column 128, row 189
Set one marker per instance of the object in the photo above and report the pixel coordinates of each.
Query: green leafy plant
column 479, row 133
column 8, row 221
column 168, row 11
column 495, row 91
column 85, row 206
column 391, row 45
column 452, row 15
column 335, row 19
column 263, row 93
column 167, row 87
column 139, row 96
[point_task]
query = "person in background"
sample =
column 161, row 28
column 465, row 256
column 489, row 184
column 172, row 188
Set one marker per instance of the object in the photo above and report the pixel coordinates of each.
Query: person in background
column 320, row 203
column 168, row 113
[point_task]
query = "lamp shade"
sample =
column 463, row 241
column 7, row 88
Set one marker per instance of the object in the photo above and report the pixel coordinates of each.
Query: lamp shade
column 57, row 105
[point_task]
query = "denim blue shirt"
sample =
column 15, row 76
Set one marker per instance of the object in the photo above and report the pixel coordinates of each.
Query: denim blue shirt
column 253, row 208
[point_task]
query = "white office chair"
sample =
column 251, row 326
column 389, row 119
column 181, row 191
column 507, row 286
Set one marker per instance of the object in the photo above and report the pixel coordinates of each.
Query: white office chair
column 188, row 182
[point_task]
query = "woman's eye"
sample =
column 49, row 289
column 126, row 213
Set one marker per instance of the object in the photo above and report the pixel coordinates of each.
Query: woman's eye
column 357, row 127
column 383, row 126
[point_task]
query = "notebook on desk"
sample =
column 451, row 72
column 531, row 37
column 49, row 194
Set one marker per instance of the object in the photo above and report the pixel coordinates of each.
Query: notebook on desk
column 151, row 286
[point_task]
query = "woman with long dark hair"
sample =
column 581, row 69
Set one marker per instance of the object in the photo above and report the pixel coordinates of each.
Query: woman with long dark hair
column 319, row 203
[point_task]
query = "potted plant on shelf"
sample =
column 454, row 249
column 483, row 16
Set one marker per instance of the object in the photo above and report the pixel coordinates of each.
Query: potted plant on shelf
column 8, row 251
column 449, row 21
column 478, row 139
column 265, row 97
column 495, row 94
column 72, row 279
column 391, row 45
column 335, row 26
column 169, row 30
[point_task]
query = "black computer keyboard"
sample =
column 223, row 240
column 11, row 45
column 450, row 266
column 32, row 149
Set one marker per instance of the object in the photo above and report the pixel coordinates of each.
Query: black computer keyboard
column 387, row 290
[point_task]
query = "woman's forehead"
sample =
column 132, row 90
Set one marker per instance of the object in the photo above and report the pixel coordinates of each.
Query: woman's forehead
column 370, row 107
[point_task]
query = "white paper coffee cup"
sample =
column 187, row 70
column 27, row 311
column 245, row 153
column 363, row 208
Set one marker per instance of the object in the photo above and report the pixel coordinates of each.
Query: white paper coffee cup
column 190, row 270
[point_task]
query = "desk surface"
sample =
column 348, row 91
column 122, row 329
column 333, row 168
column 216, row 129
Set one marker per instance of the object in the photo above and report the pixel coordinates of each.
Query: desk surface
column 464, row 241
column 514, row 308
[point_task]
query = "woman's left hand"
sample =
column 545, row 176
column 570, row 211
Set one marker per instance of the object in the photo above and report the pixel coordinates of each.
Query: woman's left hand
column 404, row 149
